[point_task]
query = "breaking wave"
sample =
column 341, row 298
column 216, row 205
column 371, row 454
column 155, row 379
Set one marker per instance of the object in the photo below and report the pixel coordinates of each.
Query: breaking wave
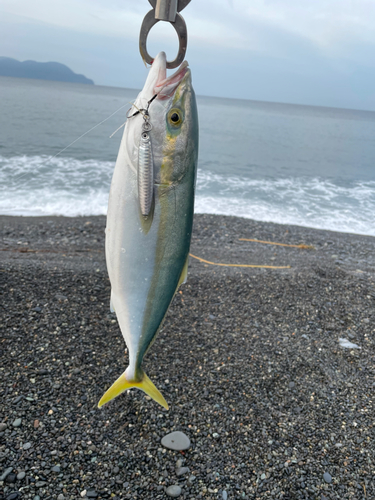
column 36, row 185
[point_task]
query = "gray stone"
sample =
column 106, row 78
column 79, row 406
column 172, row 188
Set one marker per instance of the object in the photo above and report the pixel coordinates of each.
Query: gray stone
column 21, row 475
column 6, row 473
column 224, row 495
column 180, row 471
column 13, row 496
column 37, row 497
column 91, row 494
column 39, row 484
column 3, row 426
column 26, row 446
column 191, row 479
column 61, row 497
column 56, row 468
column 176, row 441
column 173, row 491
column 17, row 422
column 327, row 477
column 11, row 478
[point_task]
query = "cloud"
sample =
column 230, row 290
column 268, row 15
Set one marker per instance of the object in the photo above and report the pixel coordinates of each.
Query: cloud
column 326, row 23
column 319, row 52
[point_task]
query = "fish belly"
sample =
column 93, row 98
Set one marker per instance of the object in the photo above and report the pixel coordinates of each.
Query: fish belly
column 144, row 261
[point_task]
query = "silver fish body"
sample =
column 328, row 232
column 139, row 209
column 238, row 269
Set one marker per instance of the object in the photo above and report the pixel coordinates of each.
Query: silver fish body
column 147, row 257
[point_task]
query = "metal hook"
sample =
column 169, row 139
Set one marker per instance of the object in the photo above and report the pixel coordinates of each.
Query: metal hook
column 165, row 10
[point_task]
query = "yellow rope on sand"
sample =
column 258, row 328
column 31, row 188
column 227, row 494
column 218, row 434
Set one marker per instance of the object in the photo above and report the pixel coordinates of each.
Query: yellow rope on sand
column 236, row 265
column 306, row 247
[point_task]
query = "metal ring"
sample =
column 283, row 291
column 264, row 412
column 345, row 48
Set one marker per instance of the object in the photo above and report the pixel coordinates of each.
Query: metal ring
column 179, row 25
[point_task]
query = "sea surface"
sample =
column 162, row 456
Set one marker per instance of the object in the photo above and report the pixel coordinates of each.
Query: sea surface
column 283, row 163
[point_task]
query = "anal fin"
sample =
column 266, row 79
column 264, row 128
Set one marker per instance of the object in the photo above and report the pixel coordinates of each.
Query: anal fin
column 184, row 272
column 111, row 306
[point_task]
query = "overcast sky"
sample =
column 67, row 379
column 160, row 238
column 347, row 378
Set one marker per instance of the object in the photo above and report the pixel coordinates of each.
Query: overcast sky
column 319, row 52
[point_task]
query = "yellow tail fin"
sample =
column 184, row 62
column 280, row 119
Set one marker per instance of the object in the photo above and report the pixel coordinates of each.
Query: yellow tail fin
column 144, row 385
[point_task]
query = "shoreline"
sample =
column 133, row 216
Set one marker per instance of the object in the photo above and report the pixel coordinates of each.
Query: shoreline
column 41, row 218
column 248, row 359
column 216, row 238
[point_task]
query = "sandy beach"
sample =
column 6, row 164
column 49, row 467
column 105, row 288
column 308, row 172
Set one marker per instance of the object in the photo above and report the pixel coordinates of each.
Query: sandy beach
column 249, row 360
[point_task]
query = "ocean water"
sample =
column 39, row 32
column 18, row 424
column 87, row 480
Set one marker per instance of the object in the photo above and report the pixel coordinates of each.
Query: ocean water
column 274, row 162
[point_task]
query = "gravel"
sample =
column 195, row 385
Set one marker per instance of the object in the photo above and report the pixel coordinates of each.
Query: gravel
column 260, row 348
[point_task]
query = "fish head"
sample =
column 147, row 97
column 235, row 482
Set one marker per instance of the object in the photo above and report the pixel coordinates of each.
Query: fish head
column 172, row 111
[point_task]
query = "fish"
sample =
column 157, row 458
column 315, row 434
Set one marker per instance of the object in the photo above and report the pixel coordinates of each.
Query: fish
column 150, row 215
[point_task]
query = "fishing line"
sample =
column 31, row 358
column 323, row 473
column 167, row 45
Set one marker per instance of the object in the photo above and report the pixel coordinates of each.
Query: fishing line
column 237, row 265
column 80, row 137
column 143, row 112
column 302, row 245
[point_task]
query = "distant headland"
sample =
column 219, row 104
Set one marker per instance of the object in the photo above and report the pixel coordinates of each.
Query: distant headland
column 40, row 71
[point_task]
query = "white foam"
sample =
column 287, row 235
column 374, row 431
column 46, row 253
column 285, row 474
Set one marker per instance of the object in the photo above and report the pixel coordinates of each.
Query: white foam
column 34, row 185
column 61, row 186
column 307, row 202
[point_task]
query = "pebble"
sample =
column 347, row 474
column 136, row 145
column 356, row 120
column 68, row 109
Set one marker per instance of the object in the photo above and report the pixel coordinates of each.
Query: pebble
column 37, row 497
column 91, row 494
column 180, row 471
column 17, row 422
column 39, row 484
column 26, row 446
column 327, row 477
column 6, row 473
column 61, row 497
column 21, row 475
column 191, row 479
column 83, row 493
column 173, row 491
column 13, row 496
column 11, row 478
column 3, row 426
column 176, row 441
column 56, row 468
column 224, row 495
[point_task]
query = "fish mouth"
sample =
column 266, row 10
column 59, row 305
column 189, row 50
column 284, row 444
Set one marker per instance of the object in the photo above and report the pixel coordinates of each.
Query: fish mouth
column 166, row 87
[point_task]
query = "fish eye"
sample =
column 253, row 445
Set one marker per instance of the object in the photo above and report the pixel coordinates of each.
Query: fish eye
column 175, row 117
